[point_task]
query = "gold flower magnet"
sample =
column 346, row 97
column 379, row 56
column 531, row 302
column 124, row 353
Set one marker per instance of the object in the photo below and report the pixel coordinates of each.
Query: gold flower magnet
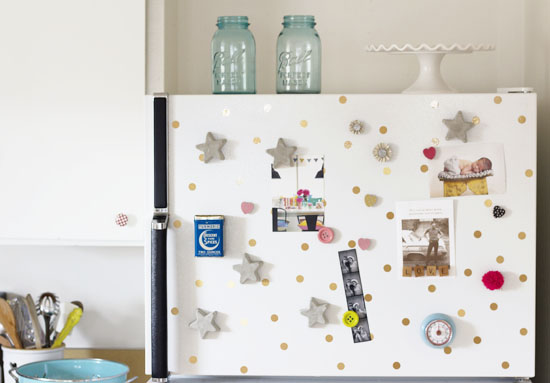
column 382, row 152
column 356, row 127
column 370, row 200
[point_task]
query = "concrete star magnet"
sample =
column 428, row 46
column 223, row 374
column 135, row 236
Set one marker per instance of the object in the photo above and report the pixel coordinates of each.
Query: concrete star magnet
column 205, row 322
column 248, row 269
column 458, row 127
column 282, row 154
column 316, row 312
column 212, row 148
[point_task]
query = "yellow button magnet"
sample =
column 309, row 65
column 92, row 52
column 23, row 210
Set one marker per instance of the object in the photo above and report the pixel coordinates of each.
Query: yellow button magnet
column 350, row 319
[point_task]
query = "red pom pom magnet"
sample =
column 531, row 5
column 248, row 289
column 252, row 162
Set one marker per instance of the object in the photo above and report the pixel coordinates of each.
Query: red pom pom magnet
column 493, row 280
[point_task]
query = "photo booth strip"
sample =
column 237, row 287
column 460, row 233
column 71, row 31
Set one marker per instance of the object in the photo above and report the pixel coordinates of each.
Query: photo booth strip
column 353, row 288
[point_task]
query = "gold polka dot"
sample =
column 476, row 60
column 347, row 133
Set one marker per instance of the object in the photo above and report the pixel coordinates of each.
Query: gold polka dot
column 192, row 186
column 500, row 259
column 476, row 120
column 447, row 350
column 343, row 99
column 230, row 284
column 387, row 171
column 351, row 244
column 175, row 311
column 284, row 346
column 265, row 282
column 305, row 246
column 505, row 365
column 177, row 223
column 274, row 317
column 198, row 283
column 175, row 124
column 405, row 321
column 324, row 203
column 477, row 234
column 371, row 336
column 193, row 359
column 396, row 365
column 329, row 338
column 435, row 141
column 333, row 286
column 356, row 190
column 341, row 366
column 201, row 157
column 347, row 144
column 383, row 130
column 368, row 297
column 467, row 272
column 424, row 168
column 497, row 99
column 299, row 278
column 477, row 340
column 303, row 123
column 390, row 215
column 461, row 312
column 488, row 203
column 493, row 306
column 523, row 278
column 244, row 369
column 522, row 119
column 521, row 235
column 252, row 242
column 257, row 140
column 523, row 331
column 244, row 322
column 387, row 268
column 431, row 288
column 226, row 112
column 528, row 173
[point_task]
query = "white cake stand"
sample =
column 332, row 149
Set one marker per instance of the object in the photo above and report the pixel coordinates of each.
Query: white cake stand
column 429, row 58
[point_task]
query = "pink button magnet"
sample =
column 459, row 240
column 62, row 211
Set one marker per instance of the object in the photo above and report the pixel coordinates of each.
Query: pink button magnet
column 121, row 219
column 325, row 235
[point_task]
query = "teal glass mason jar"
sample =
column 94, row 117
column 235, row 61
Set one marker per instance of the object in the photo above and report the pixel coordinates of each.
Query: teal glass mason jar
column 233, row 57
column 299, row 56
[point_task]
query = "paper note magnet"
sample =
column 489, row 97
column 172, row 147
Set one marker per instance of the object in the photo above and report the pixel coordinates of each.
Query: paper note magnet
column 493, row 280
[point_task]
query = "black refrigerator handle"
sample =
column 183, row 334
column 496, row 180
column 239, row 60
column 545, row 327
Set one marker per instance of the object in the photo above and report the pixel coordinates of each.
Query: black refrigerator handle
column 159, row 228
column 159, row 306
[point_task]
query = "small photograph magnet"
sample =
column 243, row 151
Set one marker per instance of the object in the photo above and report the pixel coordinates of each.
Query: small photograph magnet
column 352, row 285
column 348, row 262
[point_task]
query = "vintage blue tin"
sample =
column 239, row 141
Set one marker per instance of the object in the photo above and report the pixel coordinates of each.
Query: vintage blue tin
column 209, row 235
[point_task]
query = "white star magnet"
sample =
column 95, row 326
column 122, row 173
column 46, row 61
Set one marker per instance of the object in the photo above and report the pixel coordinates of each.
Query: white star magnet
column 316, row 312
column 205, row 322
column 458, row 127
column 248, row 269
column 282, row 154
column 212, row 148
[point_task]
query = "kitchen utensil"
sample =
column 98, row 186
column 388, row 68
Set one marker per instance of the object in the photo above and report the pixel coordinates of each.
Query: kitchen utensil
column 49, row 308
column 37, row 330
column 23, row 322
column 72, row 370
column 72, row 320
column 7, row 319
column 4, row 342
column 13, row 358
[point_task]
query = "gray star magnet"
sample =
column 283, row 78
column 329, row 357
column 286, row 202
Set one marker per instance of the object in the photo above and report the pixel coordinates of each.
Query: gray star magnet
column 248, row 269
column 316, row 312
column 205, row 322
column 212, row 148
column 458, row 127
column 282, row 154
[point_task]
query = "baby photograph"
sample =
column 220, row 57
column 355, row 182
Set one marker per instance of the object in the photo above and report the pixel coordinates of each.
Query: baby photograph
column 466, row 170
